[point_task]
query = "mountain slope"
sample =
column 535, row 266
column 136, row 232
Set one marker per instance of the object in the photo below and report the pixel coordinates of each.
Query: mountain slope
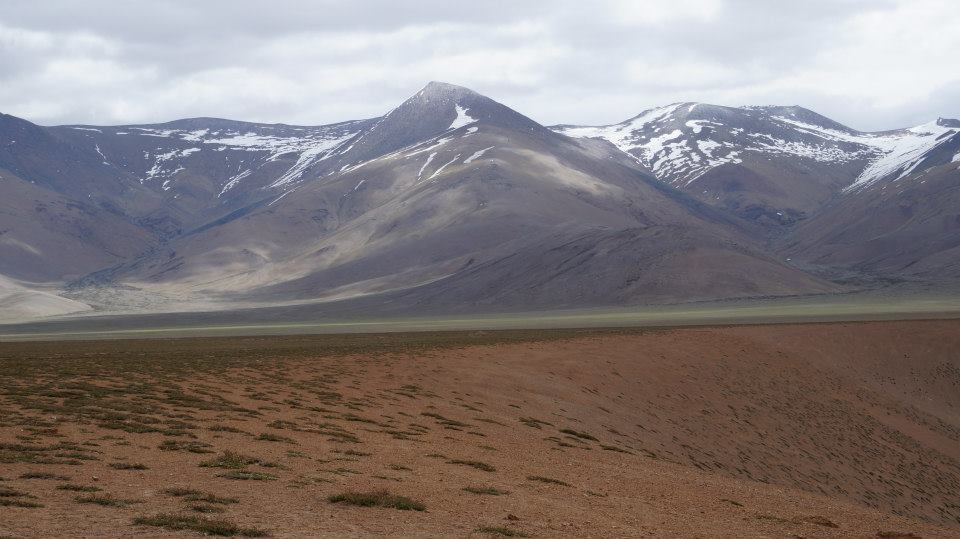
column 452, row 201
column 477, row 195
column 909, row 228
column 775, row 165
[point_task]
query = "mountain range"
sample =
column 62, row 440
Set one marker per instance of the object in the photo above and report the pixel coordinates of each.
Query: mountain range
column 453, row 201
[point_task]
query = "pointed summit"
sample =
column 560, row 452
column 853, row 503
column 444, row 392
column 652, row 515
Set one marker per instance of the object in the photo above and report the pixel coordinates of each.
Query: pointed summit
column 441, row 90
column 437, row 109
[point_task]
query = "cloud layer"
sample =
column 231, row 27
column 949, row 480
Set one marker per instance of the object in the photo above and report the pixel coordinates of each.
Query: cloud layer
column 872, row 64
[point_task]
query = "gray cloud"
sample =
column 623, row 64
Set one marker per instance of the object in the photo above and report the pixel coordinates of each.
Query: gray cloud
column 867, row 63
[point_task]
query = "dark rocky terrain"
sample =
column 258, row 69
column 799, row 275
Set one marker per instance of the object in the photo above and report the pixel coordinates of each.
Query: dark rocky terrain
column 453, row 198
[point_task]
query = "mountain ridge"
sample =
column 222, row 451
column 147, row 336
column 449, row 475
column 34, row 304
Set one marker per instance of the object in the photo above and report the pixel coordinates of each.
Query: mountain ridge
column 454, row 197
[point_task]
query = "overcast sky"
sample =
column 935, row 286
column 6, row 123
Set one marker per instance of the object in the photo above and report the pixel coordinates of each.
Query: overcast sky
column 871, row 64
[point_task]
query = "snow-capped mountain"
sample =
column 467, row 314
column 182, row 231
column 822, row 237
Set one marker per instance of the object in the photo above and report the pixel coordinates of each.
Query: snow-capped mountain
column 683, row 141
column 227, row 152
column 798, row 156
column 454, row 199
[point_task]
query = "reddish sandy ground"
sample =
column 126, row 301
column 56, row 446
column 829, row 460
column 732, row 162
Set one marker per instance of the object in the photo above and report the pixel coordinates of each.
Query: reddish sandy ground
column 816, row 430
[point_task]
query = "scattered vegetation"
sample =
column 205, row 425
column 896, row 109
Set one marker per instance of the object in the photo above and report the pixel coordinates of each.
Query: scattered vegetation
column 205, row 508
column 44, row 475
column 230, row 460
column 267, row 437
column 486, row 490
column 543, row 479
column 16, row 502
column 105, row 500
column 578, row 434
column 380, row 498
column 474, row 464
column 127, row 466
column 244, row 475
column 225, row 428
column 501, row 531
column 199, row 524
column 11, row 493
column 819, row 521
column 192, row 495
column 188, row 446
column 533, row 422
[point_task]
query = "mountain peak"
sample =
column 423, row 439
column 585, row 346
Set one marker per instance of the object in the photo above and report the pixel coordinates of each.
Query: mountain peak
column 444, row 88
column 437, row 109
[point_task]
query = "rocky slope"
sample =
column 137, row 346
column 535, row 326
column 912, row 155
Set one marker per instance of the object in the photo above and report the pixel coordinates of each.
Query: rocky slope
column 454, row 199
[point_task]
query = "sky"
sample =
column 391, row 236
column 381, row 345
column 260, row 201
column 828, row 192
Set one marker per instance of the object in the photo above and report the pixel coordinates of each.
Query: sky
column 870, row 64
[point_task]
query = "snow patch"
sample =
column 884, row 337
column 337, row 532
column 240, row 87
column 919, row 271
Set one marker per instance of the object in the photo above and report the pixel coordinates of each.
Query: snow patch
column 902, row 153
column 427, row 162
column 232, row 182
column 462, row 119
column 476, row 155
column 166, row 165
column 443, row 166
column 321, row 150
column 103, row 157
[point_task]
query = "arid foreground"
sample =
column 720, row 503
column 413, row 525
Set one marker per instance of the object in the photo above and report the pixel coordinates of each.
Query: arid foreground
column 818, row 430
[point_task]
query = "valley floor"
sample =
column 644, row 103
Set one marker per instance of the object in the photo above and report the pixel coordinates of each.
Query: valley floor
column 805, row 430
column 374, row 314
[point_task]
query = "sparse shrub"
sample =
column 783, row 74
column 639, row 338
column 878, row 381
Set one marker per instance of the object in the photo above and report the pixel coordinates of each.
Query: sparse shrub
column 199, row 524
column 501, row 531
column 192, row 495
column 16, row 502
column 127, row 466
column 105, row 500
column 44, row 475
column 380, row 498
column 11, row 493
column 244, row 475
column 577, row 434
column 549, row 480
column 490, row 491
column 205, row 508
column 230, row 460
column 189, row 446
column 267, row 437
column 474, row 464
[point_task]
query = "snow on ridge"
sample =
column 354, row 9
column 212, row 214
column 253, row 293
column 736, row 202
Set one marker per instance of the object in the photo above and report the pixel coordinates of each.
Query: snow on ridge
column 462, row 118
column 436, row 143
column 232, row 182
column 424, row 167
column 622, row 135
column 103, row 157
column 699, row 125
column 679, row 152
column 322, row 149
column 163, row 165
column 902, row 152
column 443, row 166
column 311, row 145
column 479, row 153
